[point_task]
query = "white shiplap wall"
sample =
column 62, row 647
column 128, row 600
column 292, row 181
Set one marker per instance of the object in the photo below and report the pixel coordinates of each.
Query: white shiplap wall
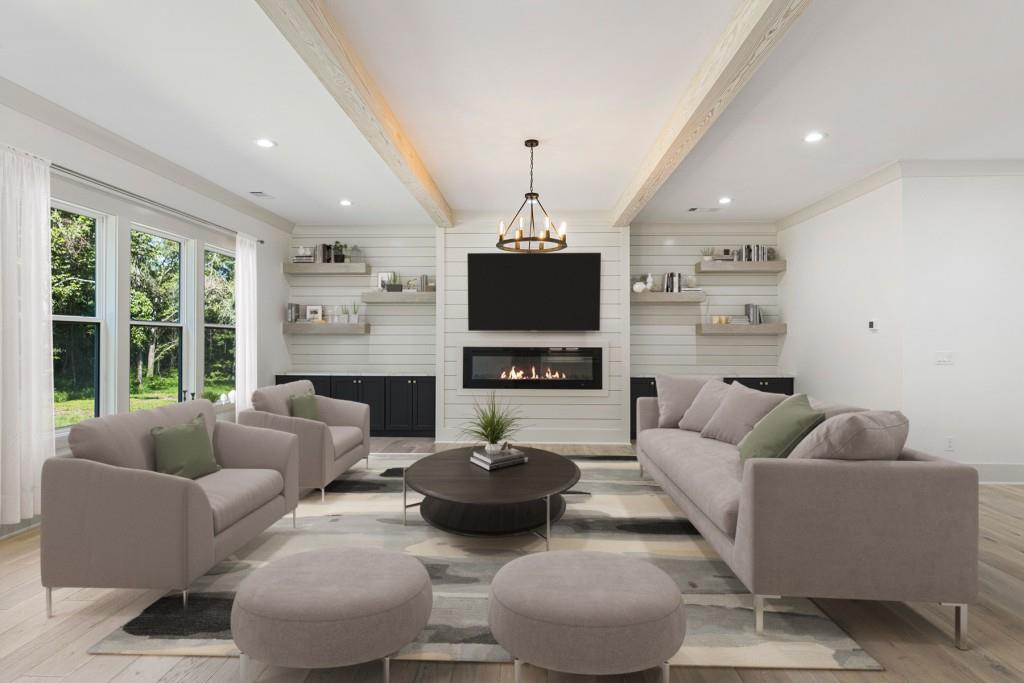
column 548, row 415
column 402, row 336
column 663, row 338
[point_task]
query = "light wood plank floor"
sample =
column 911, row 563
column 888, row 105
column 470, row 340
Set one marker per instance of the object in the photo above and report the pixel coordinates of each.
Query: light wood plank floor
column 911, row 641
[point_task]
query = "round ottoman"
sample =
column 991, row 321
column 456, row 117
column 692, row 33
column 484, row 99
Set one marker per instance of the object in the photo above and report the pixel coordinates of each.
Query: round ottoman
column 587, row 613
column 328, row 608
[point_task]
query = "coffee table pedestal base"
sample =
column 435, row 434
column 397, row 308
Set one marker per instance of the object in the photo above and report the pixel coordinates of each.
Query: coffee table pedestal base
column 490, row 520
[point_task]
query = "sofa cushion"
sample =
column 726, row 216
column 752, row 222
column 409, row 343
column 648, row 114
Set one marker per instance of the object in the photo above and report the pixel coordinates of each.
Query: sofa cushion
column 709, row 472
column 866, row 435
column 345, row 439
column 675, row 395
column 234, row 493
column 275, row 399
column 740, row 410
column 126, row 439
column 184, row 450
column 704, row 405
column 778, row 432
column 304, row 406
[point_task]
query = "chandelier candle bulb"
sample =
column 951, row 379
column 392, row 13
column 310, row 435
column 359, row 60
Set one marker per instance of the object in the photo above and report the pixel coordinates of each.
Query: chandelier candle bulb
column 561, row 229
column 501, row 228
column 519, row 235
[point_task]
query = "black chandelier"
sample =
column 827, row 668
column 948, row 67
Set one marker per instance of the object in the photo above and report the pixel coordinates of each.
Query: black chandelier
column 534, row 241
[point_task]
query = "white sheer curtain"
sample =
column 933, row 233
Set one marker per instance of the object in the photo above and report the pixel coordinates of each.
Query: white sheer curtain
column 245, row 321
column 26, row 355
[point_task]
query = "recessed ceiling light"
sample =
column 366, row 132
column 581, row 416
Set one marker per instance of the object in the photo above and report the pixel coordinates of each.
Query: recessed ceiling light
column 346, row 202
column 725, row 200
column 814, row 136
column 265, row 143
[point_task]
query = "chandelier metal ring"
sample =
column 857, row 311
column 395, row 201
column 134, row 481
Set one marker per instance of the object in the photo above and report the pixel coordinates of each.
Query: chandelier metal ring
column 536, row 241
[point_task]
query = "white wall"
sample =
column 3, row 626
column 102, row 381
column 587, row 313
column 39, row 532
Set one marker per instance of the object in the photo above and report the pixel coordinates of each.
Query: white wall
column 845, row 267
column 936, row 258
column 663, row 337
column 51, row 141
column 964, row 241
column 549, row 415
column 402, row 336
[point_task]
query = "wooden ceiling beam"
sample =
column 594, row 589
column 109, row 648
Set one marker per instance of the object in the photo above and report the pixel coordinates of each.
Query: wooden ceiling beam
column 314, row 34
column 756, row 28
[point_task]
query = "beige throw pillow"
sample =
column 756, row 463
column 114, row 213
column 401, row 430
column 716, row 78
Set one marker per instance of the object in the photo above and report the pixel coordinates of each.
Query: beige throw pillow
column 704, row 405
column 675, row 395
column 739, row 411
column 866, row 435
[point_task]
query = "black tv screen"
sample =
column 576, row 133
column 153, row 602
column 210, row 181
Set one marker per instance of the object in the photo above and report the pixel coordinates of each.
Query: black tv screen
column 534, row 291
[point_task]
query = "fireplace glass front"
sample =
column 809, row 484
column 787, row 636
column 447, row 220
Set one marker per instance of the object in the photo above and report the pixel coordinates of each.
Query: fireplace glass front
column 488, row 367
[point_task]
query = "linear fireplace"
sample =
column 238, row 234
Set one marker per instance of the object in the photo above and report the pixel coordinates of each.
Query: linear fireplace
column 490, row 367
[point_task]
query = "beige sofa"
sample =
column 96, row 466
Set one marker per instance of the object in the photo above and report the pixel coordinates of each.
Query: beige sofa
column 904, row 530
column 110, row 521
column 328, row 446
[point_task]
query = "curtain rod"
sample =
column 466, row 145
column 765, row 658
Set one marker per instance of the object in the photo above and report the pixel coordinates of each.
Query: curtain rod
column 114, row 189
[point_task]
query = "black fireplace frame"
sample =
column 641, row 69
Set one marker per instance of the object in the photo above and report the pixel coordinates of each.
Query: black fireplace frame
column 595, row 383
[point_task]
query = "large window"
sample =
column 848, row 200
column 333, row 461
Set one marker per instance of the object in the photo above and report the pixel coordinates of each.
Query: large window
column 155, row 336
column 76, row 326
column 219, row 327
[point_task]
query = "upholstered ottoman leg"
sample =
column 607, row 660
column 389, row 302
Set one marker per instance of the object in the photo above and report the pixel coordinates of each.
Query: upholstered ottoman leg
column 665, row 673
column 517, row 669
column 243, row 668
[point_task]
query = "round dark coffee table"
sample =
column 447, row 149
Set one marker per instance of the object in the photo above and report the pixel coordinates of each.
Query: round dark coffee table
column 465, row 499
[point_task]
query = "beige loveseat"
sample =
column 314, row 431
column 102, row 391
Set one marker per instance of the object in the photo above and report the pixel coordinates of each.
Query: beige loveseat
column 328, row 446
column 109, row 520
column 904, row 530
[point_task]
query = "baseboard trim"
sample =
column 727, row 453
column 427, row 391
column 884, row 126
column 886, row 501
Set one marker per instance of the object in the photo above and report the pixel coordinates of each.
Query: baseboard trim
column 1000, row 473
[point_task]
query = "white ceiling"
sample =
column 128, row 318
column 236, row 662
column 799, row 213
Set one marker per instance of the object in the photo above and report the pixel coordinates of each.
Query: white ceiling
column 196, row 81
column 888, row 81
column 594, row 80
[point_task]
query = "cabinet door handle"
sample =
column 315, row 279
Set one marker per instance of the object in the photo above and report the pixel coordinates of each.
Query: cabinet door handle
column 414, row 381
column 408, row 381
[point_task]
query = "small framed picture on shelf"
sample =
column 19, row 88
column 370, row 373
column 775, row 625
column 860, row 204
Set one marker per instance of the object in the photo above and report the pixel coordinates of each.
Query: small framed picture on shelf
column 314, row 313
column 383, row 278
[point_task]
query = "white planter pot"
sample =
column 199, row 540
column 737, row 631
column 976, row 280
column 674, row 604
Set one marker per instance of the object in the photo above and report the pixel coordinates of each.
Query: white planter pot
column 492, row 448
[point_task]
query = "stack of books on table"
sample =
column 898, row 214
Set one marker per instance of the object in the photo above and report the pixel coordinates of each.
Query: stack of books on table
column 499, row 460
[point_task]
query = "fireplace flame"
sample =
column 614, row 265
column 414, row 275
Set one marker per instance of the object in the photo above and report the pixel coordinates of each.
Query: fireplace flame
column 516, row 373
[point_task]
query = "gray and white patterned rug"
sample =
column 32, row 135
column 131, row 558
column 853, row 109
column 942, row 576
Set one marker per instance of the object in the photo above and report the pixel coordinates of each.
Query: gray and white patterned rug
column 612, row 509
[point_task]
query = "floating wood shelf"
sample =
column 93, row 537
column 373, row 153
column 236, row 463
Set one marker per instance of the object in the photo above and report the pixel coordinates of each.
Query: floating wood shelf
column 327, row 268
column 762, row 329
column 325, row 328
column 740, row 266
column 668, row 297
column 381, row 297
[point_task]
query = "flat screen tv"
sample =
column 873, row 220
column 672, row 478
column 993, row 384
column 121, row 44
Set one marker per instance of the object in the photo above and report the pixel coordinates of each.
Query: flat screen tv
column 534, row 292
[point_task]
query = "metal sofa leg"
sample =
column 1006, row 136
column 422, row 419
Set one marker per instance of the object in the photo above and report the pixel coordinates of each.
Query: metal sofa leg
column 387, row 669
column 49, row 602
column 517, row 670
column 295, row 524
column 759, row 611
column 959, row 624
column 665, row 674
column 323, row 494
column 641, row 468
column 184, row 599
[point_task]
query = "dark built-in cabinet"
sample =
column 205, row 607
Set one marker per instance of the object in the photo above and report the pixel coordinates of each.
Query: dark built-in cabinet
column 399, row 405
column 646, row 386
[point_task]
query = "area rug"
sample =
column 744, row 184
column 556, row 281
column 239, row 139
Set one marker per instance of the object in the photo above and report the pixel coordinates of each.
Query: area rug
column 610, row 509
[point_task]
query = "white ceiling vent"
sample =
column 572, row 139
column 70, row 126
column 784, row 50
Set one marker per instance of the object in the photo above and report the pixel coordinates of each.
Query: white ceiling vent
column 260, row 194
column 703, row 209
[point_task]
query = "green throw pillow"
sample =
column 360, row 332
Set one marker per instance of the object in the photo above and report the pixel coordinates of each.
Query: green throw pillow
column 778, row 432
column 185, row 450
column 303, row 405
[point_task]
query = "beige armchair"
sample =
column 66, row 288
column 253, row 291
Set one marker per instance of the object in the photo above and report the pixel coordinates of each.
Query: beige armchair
column 328, row 446
column 109, row 520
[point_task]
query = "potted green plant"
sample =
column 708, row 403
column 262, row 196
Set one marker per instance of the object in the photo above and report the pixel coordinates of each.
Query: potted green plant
column 492, row 423
column 394, row 283
column 354, row 315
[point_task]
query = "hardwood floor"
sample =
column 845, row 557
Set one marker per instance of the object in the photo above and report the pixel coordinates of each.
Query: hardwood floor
column 912, row 642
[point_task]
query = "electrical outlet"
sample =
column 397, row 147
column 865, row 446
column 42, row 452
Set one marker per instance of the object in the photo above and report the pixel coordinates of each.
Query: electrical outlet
column 943, row 357
column 949, row 444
